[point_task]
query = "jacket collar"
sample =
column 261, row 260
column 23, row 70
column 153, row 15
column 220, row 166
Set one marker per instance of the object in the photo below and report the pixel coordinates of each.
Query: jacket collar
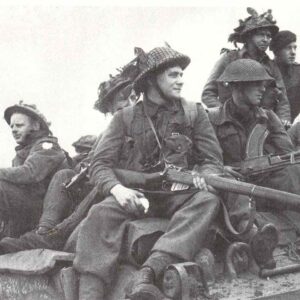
column 227, row 113
column 152, row 108
column 243, row 53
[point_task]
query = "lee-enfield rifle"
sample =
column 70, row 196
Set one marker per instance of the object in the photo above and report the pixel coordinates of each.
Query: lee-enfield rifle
column 172, row 174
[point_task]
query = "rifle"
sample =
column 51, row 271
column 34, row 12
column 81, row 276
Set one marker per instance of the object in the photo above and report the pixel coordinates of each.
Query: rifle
column 291, row 201
column 133, row 179
column 258, row 165
column 77, row 179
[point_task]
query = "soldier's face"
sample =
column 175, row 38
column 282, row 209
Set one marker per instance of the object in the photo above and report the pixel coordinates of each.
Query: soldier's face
column 287, row 55
column 21, row 126
column 123, row 98
column 170, row 82
column 261, row 39
column 253, row 92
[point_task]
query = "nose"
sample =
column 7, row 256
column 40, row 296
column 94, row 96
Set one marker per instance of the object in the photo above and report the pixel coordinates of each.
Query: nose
column 180, row 81
column 13, row 129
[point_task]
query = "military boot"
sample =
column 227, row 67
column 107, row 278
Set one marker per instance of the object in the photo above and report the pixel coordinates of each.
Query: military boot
column 142, row 287
column 262, row 245
column 90, row 287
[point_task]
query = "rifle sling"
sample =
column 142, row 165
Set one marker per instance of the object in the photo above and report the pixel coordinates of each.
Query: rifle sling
column 252, row 213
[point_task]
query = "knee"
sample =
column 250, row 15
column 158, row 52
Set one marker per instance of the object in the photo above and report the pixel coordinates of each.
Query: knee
column 102, row 209
column 211, row 200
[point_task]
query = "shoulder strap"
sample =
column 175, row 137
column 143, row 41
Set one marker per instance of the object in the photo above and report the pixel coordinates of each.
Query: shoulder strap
column 190, row 111
column 127, row 114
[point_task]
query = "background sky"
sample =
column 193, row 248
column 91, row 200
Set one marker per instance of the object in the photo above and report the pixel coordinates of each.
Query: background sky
column 56, row 56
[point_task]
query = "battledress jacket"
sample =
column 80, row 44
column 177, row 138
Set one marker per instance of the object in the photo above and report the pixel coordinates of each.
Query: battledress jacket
column 233, row 131
column 291, row 78
column 216, row 93
column 137, row 148
column 35, row 164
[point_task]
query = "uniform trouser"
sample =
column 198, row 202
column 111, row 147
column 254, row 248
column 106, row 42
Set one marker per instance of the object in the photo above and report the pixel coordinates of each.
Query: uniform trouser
column 33, row 240
column 102, row 234
column 20, row 207
column 286, row 179
column 57, row 201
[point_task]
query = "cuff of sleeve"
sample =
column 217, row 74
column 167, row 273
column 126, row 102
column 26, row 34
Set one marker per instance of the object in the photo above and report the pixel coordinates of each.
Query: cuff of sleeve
column 105, row 189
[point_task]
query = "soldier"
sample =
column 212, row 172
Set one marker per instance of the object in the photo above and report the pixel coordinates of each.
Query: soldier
column 82, row 147
column 38, row 157
column 234, row 123
column 57, row 202
column 161, row 116
column 255, row 32
column 284, row 47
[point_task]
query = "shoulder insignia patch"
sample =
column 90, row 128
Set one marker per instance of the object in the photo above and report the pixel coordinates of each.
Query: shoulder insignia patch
column 47, row 145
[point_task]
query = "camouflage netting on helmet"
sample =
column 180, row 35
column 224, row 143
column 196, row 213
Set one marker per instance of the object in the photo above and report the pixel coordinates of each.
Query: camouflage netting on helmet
column 255, row 21
column 244, row 70
column 29, row 110
column 108, row 88
column 157, row 59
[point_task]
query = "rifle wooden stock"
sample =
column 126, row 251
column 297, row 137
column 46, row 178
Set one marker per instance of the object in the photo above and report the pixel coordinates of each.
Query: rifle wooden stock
column 291, row 201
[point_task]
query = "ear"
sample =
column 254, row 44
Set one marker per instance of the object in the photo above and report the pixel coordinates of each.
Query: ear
column 36, row 125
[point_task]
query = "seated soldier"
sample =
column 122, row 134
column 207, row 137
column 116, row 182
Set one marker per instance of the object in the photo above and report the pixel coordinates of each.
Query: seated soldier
column 255, row 33
column 234, row 123
column 161, row 116
column 82, row 148
column 24, row 185
column 58, row 203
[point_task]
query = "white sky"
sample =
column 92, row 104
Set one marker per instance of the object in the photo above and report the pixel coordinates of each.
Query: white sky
column 56, row 56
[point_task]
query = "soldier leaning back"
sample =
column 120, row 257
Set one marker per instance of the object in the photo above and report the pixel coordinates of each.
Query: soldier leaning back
column 38, row 157
column 114, row 94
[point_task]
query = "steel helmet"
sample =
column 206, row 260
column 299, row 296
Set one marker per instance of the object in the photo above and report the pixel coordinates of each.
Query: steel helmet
column 244, row 70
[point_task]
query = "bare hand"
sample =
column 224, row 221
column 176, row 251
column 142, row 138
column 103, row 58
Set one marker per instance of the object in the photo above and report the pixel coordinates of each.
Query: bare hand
column 228, row 170
column 199, row 182
column 131, row 200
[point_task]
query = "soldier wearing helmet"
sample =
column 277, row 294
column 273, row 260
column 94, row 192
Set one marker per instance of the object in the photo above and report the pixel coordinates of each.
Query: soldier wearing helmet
column 152, row 127
column 234, row 122
column 58, row 203
column 255, row 33
column 38, row 157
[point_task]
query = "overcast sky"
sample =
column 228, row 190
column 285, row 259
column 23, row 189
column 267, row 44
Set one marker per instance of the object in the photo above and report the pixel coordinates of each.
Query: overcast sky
column 56, row 56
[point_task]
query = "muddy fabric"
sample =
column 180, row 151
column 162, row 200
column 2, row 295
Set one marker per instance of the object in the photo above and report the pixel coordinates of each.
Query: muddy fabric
column 291, row 78
column 214, row 94
column 23, row 186
column 100, row 241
